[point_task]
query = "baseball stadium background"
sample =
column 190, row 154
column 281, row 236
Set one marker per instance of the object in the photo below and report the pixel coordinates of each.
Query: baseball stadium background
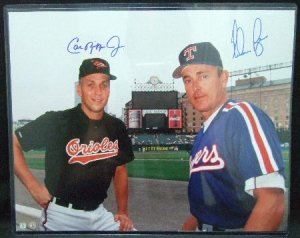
column 162, row 126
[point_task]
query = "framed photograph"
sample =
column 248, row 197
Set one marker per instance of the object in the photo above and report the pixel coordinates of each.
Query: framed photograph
column 50, row 48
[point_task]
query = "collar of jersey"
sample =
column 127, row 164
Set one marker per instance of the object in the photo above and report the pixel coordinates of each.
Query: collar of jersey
column 85, row 118
column 212, row 116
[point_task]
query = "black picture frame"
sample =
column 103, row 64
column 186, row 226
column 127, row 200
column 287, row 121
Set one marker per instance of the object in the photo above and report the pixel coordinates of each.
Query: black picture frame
column 7, row 217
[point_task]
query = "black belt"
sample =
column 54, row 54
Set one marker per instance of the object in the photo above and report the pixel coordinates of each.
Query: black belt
column 76, row 206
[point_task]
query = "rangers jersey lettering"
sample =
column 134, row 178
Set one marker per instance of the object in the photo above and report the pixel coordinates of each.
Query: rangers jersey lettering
column 206, row 160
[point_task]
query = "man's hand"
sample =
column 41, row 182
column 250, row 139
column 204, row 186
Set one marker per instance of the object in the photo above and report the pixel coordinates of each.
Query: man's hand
column 125, row 222
column 40, row 194
column 121, row 192
column 38, row 191
column 190, row 224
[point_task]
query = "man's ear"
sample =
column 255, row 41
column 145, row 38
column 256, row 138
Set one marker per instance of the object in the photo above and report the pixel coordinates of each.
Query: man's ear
column 78, row 89
column 225, row 76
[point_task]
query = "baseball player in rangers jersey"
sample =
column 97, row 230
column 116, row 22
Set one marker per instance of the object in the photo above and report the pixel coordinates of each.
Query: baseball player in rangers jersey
column 236, row 166
column 85, row 149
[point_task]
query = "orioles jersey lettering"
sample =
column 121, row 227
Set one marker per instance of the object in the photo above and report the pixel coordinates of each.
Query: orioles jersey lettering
column 84, row 154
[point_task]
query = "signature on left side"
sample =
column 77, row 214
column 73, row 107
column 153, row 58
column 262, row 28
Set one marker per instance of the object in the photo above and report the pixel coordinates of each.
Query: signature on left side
column 75, row 46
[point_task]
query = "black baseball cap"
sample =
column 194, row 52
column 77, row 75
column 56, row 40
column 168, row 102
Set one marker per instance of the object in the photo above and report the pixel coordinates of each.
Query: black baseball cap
column 95, row 65
column 198, row 53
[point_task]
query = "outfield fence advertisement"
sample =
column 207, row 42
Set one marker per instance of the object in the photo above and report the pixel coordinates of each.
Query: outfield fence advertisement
column 175, row 118
column 134, row 118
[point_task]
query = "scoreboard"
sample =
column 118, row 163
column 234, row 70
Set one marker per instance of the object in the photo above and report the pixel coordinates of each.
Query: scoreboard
column 154, row 100
column 155, row 111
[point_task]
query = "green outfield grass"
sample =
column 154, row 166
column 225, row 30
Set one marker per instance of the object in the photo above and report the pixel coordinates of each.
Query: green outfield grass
column 159, row 169
column 153, row 165
column 160, row 165
column 35, row 159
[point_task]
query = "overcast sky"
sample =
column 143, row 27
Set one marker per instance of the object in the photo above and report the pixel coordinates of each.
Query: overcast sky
column 47, row 47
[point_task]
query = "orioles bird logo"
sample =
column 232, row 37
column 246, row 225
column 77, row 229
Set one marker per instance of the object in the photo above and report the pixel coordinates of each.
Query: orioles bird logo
column 98, row 64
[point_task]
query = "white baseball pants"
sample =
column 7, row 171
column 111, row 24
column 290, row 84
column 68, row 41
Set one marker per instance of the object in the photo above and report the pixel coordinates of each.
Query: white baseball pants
column 59, row 218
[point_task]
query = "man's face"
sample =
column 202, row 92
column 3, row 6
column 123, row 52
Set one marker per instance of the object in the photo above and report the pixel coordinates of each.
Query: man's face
column 94, row 91
column 205, row 87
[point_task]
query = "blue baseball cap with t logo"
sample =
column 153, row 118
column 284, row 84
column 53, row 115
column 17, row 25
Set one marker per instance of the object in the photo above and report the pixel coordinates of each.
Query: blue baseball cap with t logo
column 198, row 53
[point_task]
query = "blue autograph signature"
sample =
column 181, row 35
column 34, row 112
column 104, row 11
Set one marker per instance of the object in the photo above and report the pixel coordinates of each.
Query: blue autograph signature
column 238, row 39
column 113, row 44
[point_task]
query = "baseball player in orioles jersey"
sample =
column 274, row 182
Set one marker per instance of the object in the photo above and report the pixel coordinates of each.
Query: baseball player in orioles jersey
column 236, row 166
column 85, row 149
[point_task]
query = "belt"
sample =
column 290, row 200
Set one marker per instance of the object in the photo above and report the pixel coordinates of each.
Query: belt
column 76, row 206
column 207, row 227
